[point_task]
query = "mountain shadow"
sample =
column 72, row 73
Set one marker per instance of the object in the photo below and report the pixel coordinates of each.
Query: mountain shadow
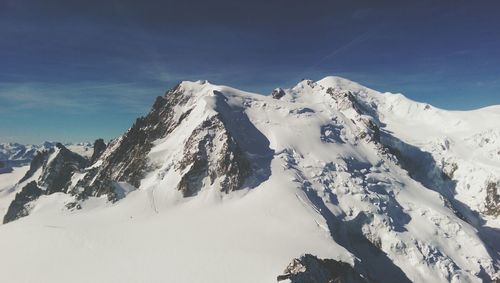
column 254, row 145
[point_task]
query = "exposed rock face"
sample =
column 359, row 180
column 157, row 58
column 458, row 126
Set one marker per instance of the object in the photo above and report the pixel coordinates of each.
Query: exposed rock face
column 209, row 152
column 99, row 148
column 212, row 152
column 331, row 133
column 127, row 162
column 278, row 93
column 364, row 184
column 309, row 268
column 57, row 174
column 492, row 199
column 38, row 161
column 56, row 177
column 365, row 120
column 20, row 205
column 345, row 100
column 449, row 169
column 373, row 130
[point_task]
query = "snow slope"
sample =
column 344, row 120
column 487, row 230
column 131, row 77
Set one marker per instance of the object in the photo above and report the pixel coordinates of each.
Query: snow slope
column 7, row 186
column 467, row 140
column 329, row 174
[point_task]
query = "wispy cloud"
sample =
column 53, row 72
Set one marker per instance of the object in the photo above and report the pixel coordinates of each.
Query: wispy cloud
column 81, row 96
column 345, row 47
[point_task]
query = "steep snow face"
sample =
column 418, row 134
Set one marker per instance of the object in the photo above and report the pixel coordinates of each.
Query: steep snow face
column 465, row 145
column 329, row 168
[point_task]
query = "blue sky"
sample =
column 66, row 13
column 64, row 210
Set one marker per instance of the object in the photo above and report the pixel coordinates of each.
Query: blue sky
column 79, row 70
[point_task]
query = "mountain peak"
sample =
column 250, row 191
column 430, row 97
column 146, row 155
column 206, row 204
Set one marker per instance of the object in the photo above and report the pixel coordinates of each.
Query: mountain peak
column 335, row 81
column 379, row 186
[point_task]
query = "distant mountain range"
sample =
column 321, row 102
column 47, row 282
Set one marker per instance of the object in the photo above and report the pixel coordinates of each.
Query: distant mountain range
column 16, row 154
column 328, row 181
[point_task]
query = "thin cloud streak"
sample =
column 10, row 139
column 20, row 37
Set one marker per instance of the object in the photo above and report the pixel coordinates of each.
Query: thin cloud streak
column 344, row 48
column 86, row 96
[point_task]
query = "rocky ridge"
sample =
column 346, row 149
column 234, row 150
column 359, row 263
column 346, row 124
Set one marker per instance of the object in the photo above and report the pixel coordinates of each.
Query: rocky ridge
column 51, row 171
column 369, row 189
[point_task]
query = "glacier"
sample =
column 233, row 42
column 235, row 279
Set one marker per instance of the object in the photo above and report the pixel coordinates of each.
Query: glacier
column 216, row 184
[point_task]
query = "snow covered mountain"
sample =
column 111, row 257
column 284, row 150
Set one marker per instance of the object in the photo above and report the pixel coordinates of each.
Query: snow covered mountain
column 325, row 181
column 17, row 155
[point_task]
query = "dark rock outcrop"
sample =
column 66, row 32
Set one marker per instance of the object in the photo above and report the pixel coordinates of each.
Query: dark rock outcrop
column 19, row 206
column 278, row 93
column 128, row 161
column 345, row 100
column 448, row 169
column 99, row 148
column 56, row 176
column 374, row 130
column 492, row 199
column 204, row 158
column 38, row 161
column 331, row 133
column 309, row 268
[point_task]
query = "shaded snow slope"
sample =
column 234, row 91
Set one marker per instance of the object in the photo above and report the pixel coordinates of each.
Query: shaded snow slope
column 7, row 182
column 215, row 184
column 464, row 145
